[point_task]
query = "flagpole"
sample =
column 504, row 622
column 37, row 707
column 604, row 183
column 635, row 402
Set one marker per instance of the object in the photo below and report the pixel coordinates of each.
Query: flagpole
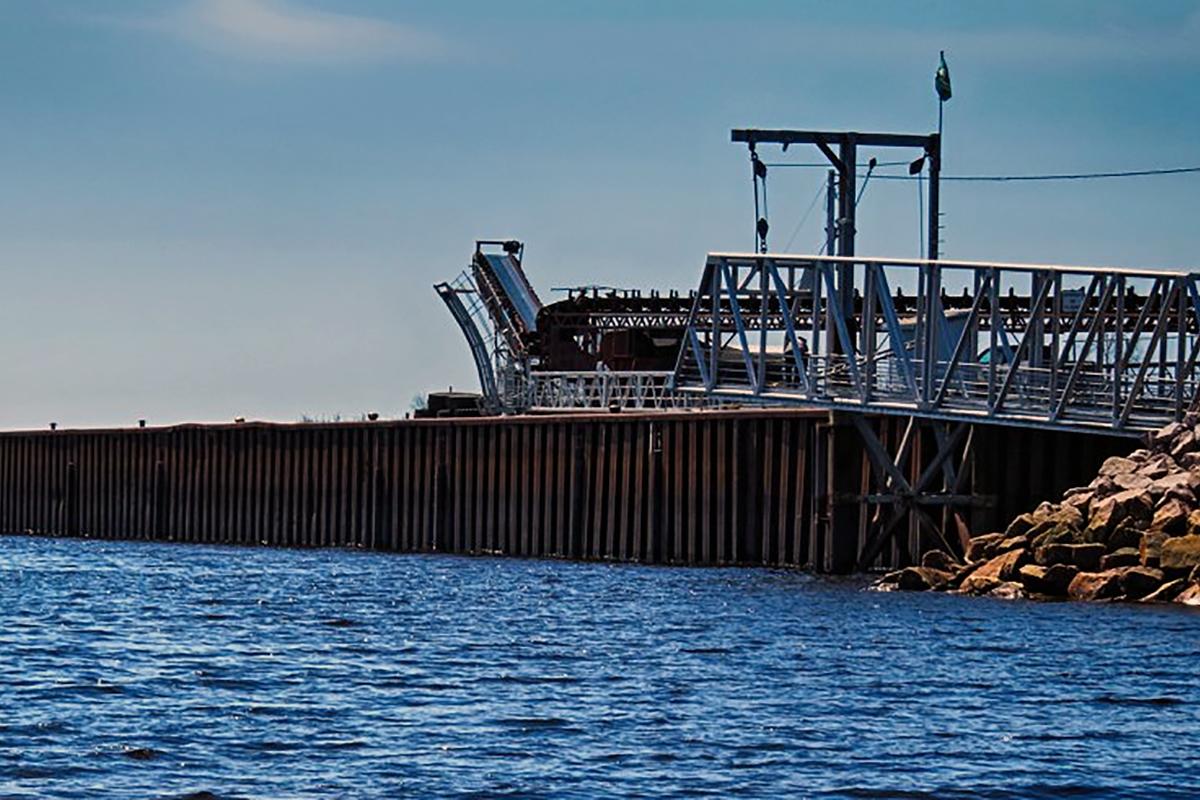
column 941, row 84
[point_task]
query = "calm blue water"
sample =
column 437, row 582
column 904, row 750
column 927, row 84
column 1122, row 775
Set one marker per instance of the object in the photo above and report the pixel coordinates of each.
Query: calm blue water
column 132, row 670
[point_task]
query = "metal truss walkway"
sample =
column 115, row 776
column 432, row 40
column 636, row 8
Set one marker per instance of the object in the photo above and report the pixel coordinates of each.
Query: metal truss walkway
column 1066, row 348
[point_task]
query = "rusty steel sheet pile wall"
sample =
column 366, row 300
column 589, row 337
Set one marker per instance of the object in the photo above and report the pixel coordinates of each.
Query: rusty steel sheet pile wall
column 698, row 488
column 722, row 488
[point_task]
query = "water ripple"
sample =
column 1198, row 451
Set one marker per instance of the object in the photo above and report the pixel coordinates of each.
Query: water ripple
column 211, row 673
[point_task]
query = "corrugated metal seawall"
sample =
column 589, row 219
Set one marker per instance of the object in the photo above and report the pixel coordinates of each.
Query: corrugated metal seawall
column 681, row 488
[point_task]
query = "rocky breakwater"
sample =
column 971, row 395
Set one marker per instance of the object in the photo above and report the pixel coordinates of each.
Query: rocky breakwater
column 1132, row 534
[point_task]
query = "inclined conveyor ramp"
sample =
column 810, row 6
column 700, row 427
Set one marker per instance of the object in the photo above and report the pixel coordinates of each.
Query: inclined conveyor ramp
column 510, row 300
column 496, row 308
column 516, row 289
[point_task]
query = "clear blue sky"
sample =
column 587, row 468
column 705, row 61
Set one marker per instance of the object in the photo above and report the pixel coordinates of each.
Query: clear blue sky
column 214, row 208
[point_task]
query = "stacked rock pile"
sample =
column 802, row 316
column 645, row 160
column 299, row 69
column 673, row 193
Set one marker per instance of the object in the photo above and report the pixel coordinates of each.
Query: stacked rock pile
column 1132, row 534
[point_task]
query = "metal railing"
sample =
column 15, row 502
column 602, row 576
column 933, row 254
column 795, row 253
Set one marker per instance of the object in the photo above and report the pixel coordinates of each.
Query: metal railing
column 1033, row 345
column 598, row 389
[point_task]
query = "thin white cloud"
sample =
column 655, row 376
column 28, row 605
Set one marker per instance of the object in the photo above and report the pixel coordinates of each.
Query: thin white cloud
column 1028, row 46
column 1090, row 45
column 284, row 30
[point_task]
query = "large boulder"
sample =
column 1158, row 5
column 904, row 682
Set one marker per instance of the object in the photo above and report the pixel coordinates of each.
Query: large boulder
column 1163, row 439
column 940, row 560
column 1118, row 465
column 980, row 547
column 1079, row 499
column 1061, row 514
column 1137, row 582
column 920, row 579
column 1107, row 485
column 1057, row 536
column 1095, row 586
column 1150, row 548
column 1008, row 590
column 978, row 584
column 1005, row 565
column 1085, row 556
column 1125, row 535
column 1012, row 543
column 1001, row 569
column 1019, row 526
column 1184, row 443
column 1179, row 555
column 1051, row 580
column 1057, row 522
column 1155, row 467
column 1124, row 557
column 1193, row 523
column 960, row 575
column 1102, row 487
column 1171, row 516
column 1104, row 514
column 1031, row 576
column 1180, row 483
column 886, row 583
column 1190, row 596
column 1132, row 482
column 1167, row 592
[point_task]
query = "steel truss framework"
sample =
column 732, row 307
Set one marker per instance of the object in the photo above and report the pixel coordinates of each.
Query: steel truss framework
column 941, row 510
column 1090, row 348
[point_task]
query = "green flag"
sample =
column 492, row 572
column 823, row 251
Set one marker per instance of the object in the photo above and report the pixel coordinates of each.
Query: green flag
column 941, row 81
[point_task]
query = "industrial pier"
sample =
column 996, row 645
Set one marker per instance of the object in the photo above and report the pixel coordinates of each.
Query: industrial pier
column 830, row 411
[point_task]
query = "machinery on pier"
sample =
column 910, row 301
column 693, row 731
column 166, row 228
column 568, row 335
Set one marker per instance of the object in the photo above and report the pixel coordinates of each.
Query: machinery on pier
column 496, row 308
column 619, row 348
column 598, row 348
